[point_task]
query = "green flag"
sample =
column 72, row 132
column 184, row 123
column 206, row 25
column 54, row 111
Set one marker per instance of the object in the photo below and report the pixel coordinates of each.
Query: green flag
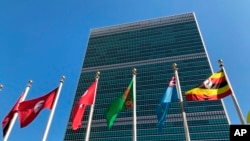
column 123, row 102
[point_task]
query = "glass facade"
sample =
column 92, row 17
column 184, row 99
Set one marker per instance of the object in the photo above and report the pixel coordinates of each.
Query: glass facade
column 151, row 46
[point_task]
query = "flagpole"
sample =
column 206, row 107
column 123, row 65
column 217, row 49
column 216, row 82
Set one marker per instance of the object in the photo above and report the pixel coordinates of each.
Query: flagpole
column 16, row 114
column 134, row 107
column 181, row 103
column 236, row 104
column 53, row 109
column 92, row 109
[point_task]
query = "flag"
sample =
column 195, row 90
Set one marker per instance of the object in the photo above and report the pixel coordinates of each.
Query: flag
column 169, row 96
column 29, row 109
column 248, row 117
column 6, row 121
column 123, row 102
column 213, row 88
column 86, row 99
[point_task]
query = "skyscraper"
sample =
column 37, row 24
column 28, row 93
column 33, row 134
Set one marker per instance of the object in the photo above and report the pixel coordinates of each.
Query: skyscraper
column 151, row 46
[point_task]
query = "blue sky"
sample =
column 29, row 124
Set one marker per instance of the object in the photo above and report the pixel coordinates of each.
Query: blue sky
column 43, row 40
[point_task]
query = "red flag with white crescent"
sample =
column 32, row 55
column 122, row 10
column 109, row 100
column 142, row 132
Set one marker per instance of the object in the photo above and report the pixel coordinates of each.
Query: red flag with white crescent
column 29, row 109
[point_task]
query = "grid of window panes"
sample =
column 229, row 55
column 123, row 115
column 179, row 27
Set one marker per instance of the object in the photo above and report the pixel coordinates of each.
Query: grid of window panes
column 152, row 48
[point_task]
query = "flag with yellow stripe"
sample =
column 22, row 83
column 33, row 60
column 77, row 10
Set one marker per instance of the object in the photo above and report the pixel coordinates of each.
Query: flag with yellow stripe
column 248, row 117
column 213, row 88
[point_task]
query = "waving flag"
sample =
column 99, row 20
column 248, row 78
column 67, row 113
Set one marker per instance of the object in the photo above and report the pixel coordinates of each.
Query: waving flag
column 213, row 88
column 6, row 121
column 169, row 96
column 123, row 102
column 86, row 99
column 29, row 109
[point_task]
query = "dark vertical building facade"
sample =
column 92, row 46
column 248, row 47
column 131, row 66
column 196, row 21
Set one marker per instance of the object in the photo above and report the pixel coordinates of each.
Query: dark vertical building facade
column 151, row 46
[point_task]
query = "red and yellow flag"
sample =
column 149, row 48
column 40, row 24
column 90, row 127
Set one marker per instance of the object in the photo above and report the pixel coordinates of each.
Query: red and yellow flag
column 213, row 88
